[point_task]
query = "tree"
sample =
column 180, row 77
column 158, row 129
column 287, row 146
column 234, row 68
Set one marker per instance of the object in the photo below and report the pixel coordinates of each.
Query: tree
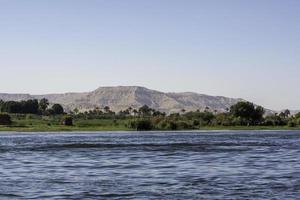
column 43, row 104
column 30, row 106
column 292, row 123
column 107, row 109
column 76, row 111
column 285, row 114
column 57, row 109
column 157, row 113
column 135, row 112
column 297, row 115
column 257, row 116
column 275, row 120
column 172, row 125
column 145, row 110
column 247, row 114
column 205, row 117
column 11, row 107
column 223, row 119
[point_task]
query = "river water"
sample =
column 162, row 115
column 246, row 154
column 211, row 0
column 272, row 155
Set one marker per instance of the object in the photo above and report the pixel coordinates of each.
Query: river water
column 150, row 165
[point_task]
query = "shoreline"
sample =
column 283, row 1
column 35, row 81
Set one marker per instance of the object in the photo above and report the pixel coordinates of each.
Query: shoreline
column 54, row 129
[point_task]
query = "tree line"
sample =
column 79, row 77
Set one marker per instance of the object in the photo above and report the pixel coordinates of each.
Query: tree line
column 31, row 106
column 146, row 118
column 240, row 114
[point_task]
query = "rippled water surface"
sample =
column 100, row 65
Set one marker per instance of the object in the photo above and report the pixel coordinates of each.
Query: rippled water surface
column 152, row 165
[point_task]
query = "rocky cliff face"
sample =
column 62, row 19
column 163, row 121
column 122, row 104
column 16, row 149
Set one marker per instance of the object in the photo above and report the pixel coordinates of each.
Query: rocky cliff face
column 122, row 97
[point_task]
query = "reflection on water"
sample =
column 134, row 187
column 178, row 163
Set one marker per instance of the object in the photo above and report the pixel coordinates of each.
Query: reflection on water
column 152, row 165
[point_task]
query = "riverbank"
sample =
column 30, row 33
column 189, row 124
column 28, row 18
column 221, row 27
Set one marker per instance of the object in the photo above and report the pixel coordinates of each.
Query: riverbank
column 38, row 123
column 61, row 128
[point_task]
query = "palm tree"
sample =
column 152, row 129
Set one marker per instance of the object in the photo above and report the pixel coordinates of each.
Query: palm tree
column 206, row 109
column 287, row 113
column 135, row 112
column 43, row 104
column 76, row 111
column 107, row 109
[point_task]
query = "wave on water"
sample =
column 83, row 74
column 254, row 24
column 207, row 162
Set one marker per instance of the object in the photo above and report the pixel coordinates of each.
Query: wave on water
column 227, row 165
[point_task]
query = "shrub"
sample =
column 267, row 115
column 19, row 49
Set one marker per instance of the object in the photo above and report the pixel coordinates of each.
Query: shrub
column 5, row 119
column 292, row 123
column 196, row 122
column 269, row 122
column 115, row 122
column 68, row 121
column 161, row 125
column 172, row 126
column 131, row 124
column 183, row 125
column 141, row 125
column 237, row 121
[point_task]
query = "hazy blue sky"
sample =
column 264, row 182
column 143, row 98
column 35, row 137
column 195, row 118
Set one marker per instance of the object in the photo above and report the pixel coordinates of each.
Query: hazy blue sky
column 237, row 48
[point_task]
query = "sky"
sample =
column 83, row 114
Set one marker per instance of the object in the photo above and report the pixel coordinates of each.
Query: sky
column 234, row 48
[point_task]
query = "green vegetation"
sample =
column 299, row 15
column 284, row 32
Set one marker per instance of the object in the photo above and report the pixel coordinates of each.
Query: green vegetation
column 68, row 121
column 31, row 106
column 56, row 109
column 34, row 115
column 5, row 119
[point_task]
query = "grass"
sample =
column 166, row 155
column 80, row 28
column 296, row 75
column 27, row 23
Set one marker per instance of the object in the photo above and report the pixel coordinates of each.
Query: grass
column 58, row 128
column 35, row 123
